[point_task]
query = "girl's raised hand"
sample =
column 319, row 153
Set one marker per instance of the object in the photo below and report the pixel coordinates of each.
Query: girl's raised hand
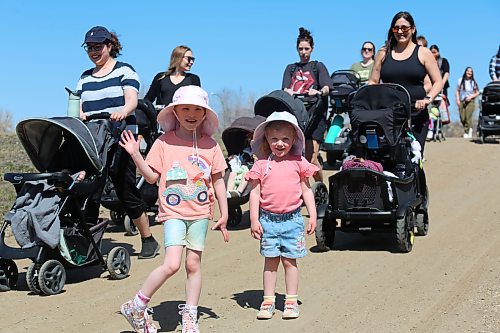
column 129, row 143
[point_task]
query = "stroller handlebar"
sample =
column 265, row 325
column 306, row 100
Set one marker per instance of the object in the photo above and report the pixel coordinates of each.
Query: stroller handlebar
column 121, row 125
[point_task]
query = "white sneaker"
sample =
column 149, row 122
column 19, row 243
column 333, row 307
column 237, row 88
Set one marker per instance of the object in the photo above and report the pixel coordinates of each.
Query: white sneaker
column 466, row 136
column 470, row 133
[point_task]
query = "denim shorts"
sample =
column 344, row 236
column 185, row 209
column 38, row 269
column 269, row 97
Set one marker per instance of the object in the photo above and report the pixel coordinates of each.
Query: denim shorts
column 283, row 235
column 190, row 234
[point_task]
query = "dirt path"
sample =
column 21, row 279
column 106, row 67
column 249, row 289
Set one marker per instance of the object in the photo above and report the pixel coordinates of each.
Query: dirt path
column 448, row 283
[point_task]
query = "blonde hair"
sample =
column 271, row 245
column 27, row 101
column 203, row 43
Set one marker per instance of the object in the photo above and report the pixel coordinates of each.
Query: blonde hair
column 175, row 60
column 265, row 149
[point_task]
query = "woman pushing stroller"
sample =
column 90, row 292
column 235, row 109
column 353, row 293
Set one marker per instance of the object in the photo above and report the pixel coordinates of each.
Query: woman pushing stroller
column 310, row 78
column 112, row 87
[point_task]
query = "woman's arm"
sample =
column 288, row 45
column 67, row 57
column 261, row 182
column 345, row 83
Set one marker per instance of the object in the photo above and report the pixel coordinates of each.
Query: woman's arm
column 432, row 69
column 377, row 66
column 130, row 96
column 154, row 90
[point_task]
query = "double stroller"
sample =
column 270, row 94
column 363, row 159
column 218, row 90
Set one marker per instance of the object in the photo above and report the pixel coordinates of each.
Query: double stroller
column 48, row 218
column 148, row 129
column 489, row 116
column 337, row 141
column 236, row 139
column 363, row 200
column 306, row 110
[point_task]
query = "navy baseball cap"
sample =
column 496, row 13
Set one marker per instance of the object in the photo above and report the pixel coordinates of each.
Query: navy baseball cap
column 97, row 34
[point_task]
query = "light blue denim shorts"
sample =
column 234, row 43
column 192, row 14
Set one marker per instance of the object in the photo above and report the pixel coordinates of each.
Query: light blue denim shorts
column 190, row 234
column 283, row 235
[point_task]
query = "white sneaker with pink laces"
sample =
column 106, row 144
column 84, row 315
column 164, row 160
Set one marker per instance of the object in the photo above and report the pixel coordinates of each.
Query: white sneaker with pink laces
column 189, row 319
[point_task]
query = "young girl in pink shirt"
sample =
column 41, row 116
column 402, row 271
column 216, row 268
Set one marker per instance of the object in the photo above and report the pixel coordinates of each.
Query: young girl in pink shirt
column 279, row 184
column 189, row 165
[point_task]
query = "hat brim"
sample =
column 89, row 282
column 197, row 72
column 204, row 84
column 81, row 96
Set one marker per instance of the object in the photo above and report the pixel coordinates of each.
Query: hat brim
column 259, row 137
column 168, row 122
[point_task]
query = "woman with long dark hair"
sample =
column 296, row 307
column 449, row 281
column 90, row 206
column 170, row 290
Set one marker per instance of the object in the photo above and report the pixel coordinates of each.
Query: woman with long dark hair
column 404, row 62
column 466, row 93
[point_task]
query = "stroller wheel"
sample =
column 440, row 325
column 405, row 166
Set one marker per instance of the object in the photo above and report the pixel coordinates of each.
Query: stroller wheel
column 52, row 277
column 8, row 274
column 320, row 193
column 117, row 217
column 118, row 263
column 404, row 231
column 422, row 224
column 32, row 279
column 325, row 234
column 130, row 228
column 235, row 215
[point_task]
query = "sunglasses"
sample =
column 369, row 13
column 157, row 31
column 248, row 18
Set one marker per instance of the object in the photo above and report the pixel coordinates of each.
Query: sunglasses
column 367, row 49
column 403, row 28
column 93, row 48
column 190, row 59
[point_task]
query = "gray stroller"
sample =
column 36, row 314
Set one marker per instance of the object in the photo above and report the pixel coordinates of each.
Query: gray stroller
column 48, row 218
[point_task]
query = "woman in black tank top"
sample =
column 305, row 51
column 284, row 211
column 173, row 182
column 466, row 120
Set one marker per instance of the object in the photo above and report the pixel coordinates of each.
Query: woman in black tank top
column 403, row 62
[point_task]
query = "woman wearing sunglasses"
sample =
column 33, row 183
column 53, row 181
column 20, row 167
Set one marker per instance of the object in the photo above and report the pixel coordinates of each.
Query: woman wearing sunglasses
column 112, row 86
column 404, row 62
column 165, row 84
column 364, row 67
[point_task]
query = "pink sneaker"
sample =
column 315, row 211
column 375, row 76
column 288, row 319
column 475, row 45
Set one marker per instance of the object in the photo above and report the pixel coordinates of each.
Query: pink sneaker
column 140, row 322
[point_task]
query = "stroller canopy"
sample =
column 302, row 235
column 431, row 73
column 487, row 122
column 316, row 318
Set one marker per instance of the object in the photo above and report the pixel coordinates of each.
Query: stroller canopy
column 387, row 105
column 43, row 139
column 234, row 136
column 280, row 100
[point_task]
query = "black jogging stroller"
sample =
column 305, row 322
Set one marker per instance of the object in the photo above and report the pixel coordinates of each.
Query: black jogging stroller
column 489, row 115
column 280, row 100
column 48, row 218
column 337, row 141
column 235, row 139
column 362, row 200
column 148, row 129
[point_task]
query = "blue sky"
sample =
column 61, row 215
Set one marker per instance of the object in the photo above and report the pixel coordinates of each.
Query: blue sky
column 238, row 45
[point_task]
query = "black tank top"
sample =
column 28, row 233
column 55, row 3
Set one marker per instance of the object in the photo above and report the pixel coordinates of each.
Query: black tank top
column 409, row 73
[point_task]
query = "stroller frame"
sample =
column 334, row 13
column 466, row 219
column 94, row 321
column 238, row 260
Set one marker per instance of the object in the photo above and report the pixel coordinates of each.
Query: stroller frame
column 47, row 275
column 363, row 200
column 489, row 116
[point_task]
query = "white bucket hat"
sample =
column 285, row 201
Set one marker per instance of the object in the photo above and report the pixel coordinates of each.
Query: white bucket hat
column 259, row 133
column 192, row 95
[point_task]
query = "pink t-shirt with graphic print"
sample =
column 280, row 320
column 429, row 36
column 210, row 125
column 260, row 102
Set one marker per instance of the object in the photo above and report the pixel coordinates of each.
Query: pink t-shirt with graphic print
column 185, row 186
column 280, row 189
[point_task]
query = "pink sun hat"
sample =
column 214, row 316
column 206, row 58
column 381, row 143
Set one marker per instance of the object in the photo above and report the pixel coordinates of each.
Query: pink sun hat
column 192, row 95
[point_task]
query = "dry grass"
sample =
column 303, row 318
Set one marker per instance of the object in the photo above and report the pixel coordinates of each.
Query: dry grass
column 13, row 158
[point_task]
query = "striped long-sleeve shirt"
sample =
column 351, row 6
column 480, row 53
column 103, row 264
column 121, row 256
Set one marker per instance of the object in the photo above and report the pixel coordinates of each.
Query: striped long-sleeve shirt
column 106, row 94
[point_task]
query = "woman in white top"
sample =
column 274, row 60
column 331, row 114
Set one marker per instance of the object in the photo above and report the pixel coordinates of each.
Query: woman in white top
column 467, row 91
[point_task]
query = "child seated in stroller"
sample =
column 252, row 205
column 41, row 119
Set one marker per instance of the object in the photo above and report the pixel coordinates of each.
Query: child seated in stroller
column 239, row 165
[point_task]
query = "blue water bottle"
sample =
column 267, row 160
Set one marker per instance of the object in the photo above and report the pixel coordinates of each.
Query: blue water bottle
column 335, row 128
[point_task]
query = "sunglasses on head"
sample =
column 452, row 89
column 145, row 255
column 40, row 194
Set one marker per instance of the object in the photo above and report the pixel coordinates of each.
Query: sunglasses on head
column 403, row 28
column 190, row 59
column 367, row 49
column 93, row 48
